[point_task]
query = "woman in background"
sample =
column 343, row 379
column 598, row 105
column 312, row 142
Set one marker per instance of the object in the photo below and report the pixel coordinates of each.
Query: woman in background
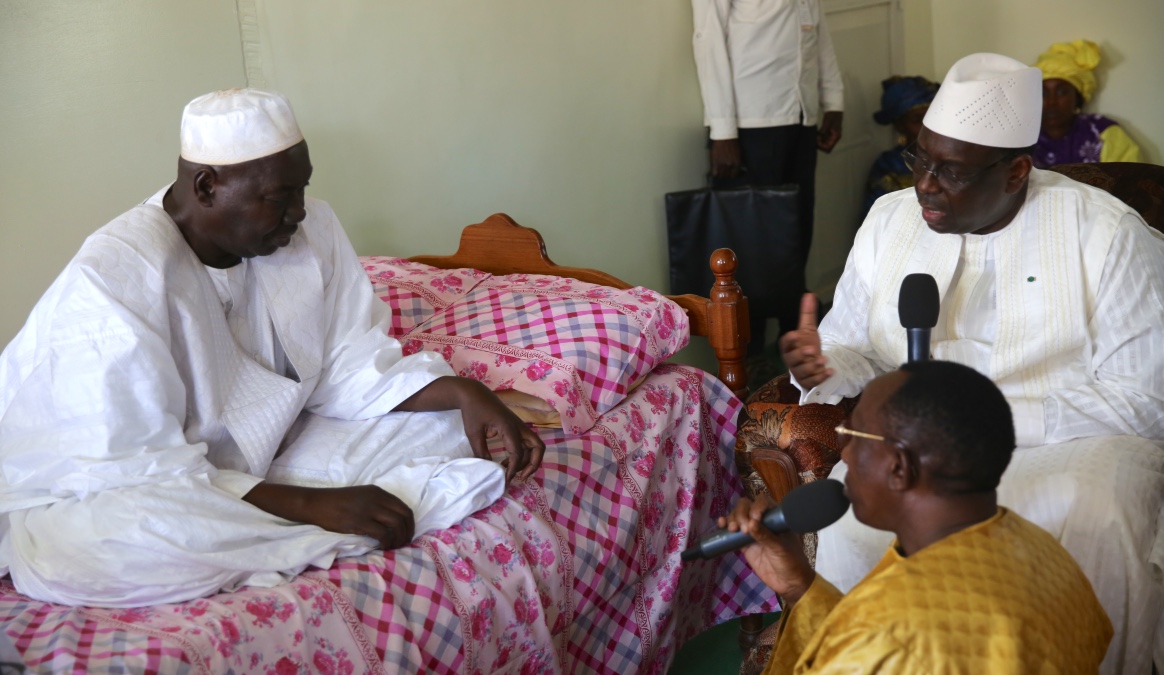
column 904, row 101
column 1068, row 135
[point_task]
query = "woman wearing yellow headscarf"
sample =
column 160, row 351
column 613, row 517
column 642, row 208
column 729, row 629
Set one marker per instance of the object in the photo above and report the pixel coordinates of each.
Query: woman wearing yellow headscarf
column 1068, row 135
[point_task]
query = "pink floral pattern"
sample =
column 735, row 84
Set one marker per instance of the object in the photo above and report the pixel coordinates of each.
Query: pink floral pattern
column 306, row 626
column 520, row 603
column 415, row 291
column 578, row 346
column 575, row 570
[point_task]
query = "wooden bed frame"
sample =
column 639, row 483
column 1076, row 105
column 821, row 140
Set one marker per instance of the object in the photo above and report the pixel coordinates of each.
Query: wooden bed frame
column 499, row 245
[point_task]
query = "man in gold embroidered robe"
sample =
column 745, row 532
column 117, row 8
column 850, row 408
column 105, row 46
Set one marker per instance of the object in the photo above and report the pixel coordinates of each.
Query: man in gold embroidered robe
column 1053, row 289
column 967, row 586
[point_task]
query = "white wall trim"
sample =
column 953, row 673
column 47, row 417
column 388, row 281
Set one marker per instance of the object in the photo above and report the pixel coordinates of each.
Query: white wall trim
column 250, row 35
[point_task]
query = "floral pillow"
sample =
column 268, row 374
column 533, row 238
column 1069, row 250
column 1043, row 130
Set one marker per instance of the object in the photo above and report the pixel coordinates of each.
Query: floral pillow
column 416, row 291
column 578, row 346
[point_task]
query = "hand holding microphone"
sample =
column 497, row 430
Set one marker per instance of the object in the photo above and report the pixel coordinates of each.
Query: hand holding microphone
column 778, row 558
column 808, row 508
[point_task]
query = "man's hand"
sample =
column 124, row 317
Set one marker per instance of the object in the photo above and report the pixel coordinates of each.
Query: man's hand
column 778, row 559
column 365, row 509
column 725, row 158
column 485, row 417
column 800, row 348
column 830, row 131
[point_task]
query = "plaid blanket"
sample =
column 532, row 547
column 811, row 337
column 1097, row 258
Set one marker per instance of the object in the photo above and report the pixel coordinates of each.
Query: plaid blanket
column 575, row 570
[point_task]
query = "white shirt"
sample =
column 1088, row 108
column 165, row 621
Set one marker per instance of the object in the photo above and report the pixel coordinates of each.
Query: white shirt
column 764, row 63
column 1063, row 309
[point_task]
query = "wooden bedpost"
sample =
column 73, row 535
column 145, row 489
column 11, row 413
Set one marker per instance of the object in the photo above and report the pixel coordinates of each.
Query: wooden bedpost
column 728, row 318
column 729, row 334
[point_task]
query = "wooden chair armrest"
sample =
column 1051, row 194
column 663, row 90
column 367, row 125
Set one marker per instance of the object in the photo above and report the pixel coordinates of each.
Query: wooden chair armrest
column 780, row 445
column 776, row 469
column 781, row 442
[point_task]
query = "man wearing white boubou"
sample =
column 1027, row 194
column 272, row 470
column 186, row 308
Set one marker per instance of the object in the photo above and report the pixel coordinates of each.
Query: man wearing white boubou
column 207, row 398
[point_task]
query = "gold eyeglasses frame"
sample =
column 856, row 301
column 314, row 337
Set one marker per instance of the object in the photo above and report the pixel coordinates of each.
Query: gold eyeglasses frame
column 842, row 430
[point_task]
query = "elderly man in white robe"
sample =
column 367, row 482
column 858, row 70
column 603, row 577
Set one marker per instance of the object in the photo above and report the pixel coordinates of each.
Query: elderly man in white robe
column 207, row 398
column 1053, row 289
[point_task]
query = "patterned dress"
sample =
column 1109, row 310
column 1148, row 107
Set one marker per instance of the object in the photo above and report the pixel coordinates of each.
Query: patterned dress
column 1093, row 138
column 888, row 174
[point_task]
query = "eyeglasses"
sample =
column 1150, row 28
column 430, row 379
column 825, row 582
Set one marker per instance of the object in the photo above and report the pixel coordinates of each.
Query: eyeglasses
column 950, row 178
column 842, row 430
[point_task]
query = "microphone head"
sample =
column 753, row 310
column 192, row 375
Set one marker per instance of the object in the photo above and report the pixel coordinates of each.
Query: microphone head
column 815, row 506
column 918, row 304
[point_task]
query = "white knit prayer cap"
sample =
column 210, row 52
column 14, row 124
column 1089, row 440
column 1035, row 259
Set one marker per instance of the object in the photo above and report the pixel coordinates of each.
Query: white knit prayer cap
column 237, row 125
column 989, row 99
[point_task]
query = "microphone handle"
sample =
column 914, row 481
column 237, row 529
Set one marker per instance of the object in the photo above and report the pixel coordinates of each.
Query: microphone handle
column 724, row 541
column 717, row 544
column 919, row 344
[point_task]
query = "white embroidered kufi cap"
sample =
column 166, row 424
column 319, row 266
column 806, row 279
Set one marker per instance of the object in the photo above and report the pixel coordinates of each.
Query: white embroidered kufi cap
column 989, row 99
column 237, row 125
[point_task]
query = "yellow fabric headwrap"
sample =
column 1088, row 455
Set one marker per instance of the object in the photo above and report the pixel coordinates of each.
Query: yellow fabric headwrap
column 1072, row 61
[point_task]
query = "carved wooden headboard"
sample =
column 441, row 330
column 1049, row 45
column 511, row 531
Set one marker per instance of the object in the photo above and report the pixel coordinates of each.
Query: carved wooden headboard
column 500, row 246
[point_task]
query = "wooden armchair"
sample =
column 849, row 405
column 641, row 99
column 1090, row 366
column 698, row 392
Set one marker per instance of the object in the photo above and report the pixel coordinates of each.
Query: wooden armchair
column 780, row 445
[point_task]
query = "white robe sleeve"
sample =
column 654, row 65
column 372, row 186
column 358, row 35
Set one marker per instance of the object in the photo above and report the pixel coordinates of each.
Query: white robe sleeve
column 713, row 66
column 1127, row 396
column 364, row 372
column 235, row 483
column 844, row 332
column 95, row 400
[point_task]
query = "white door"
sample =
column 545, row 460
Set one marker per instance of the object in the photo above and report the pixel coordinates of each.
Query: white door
column 867, row 36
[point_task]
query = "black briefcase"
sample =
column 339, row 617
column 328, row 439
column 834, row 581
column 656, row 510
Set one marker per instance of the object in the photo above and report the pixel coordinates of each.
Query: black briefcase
column 758, row 223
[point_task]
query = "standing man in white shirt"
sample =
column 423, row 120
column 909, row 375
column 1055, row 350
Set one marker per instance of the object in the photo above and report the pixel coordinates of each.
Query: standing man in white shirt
column 772, row 96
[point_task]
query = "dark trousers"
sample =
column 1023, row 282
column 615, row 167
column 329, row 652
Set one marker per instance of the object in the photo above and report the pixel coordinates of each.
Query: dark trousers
column 779, row 156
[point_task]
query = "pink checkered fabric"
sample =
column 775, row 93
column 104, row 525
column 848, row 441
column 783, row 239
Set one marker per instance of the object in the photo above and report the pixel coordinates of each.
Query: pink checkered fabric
column 578, row 346
column 576, row 570
column 307, row 625
column 415, row 291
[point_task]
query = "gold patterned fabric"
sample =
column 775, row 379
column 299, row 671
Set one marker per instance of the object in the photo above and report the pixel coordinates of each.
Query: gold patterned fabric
column 999, row 597
column 775, row 419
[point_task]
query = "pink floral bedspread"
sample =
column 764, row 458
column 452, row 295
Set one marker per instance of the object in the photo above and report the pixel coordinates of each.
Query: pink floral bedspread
column 576, row 570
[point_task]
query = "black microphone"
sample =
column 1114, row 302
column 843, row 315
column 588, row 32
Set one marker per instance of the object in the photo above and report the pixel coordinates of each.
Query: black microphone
column 808, row 508
column 917, row 307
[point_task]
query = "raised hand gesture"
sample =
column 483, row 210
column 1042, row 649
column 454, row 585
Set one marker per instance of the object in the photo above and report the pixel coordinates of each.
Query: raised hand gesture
column 800, row 348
